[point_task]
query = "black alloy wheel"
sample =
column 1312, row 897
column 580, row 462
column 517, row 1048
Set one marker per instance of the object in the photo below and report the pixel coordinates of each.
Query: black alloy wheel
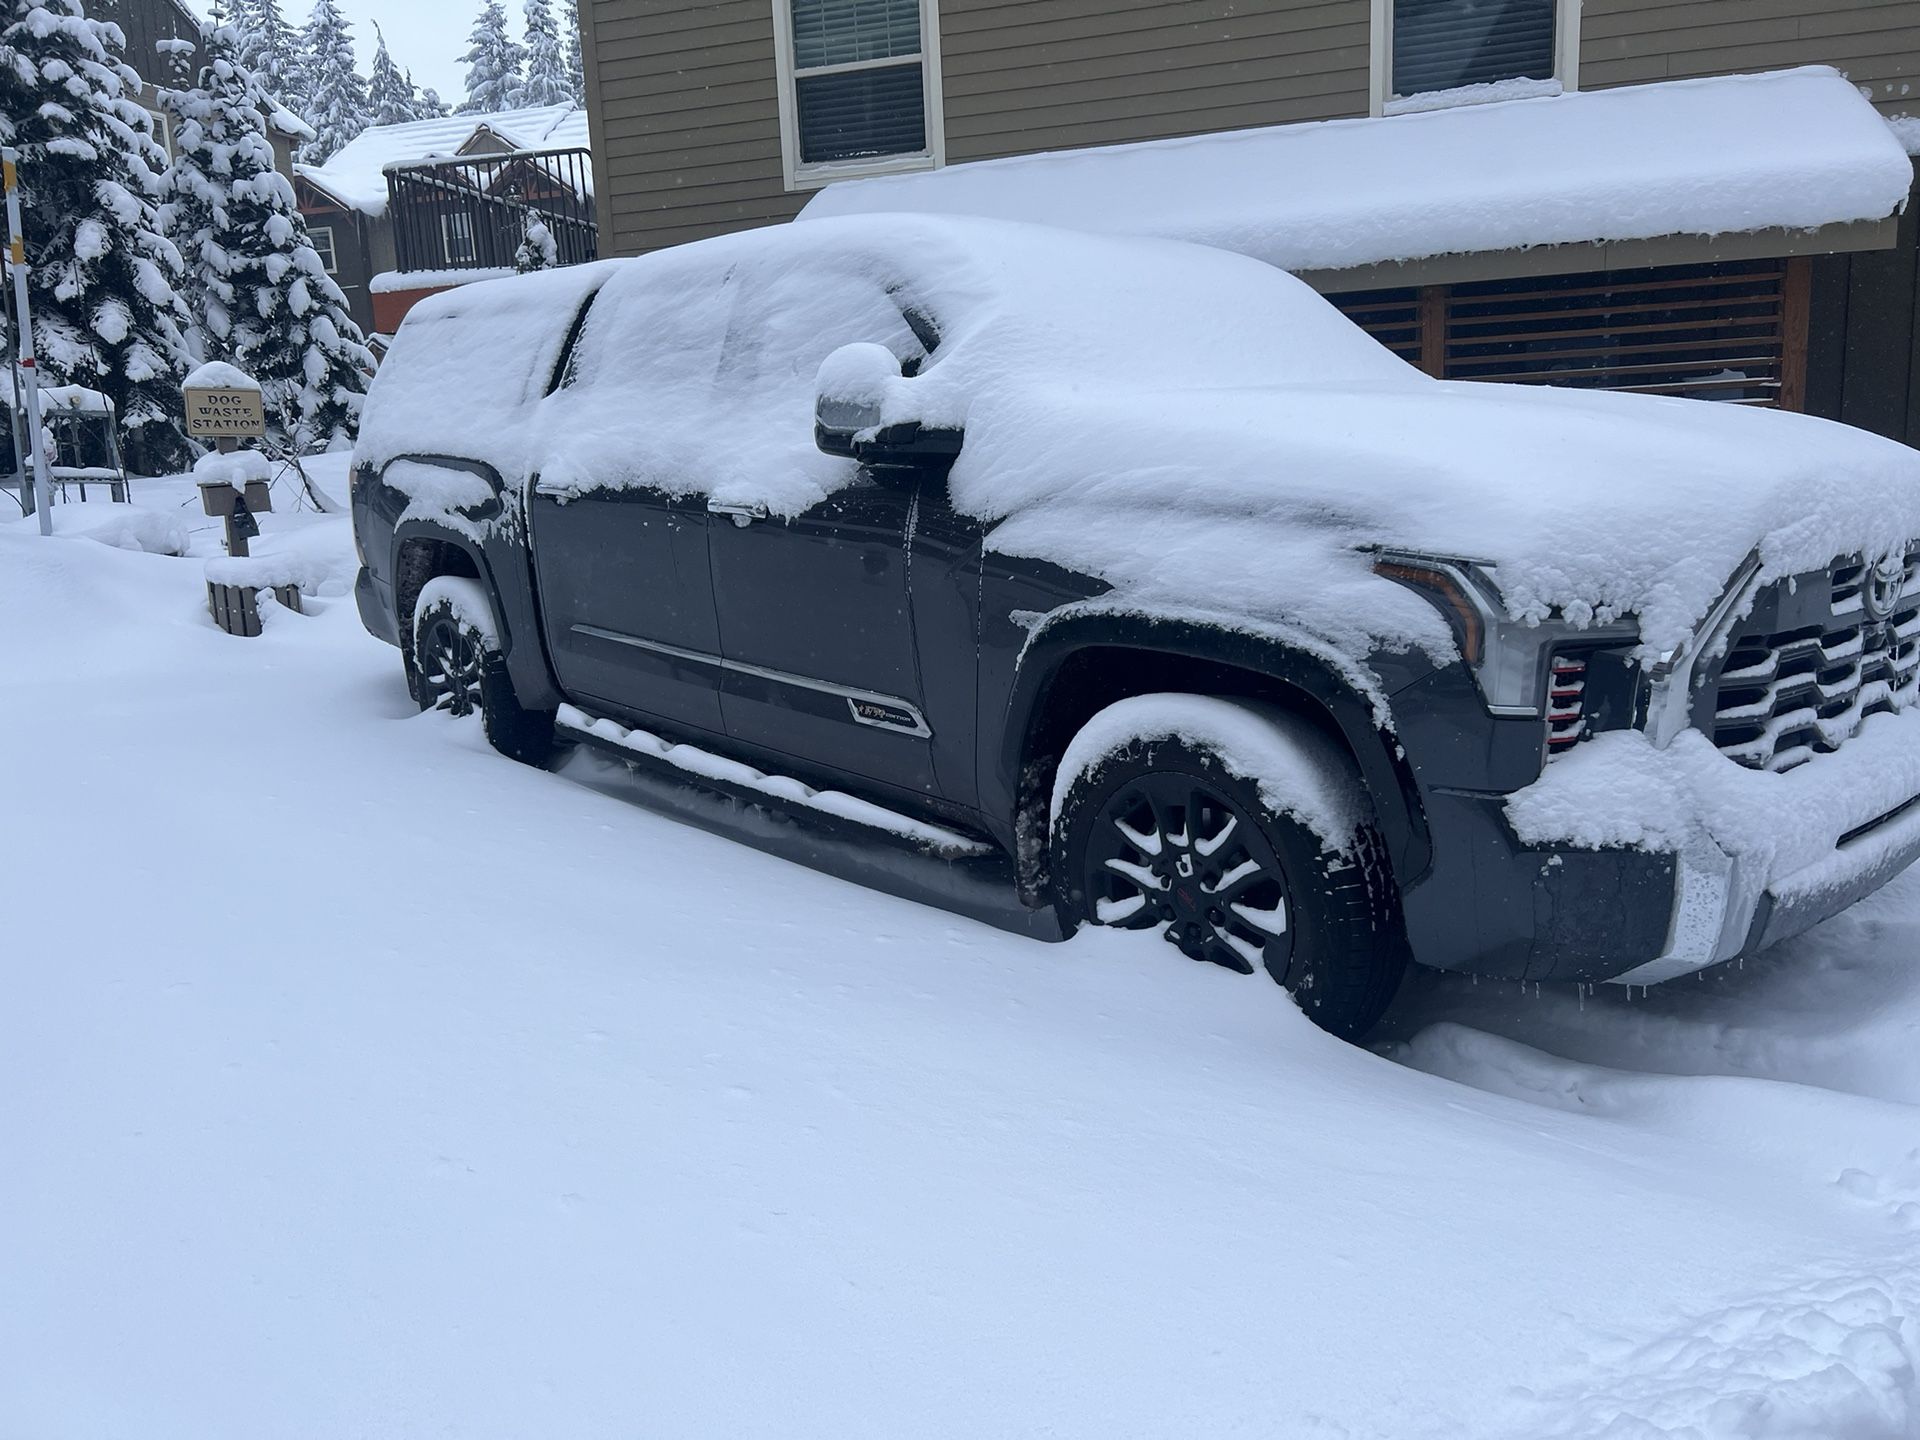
column 1159, row 833
column 450, row 658
column 1169, row 849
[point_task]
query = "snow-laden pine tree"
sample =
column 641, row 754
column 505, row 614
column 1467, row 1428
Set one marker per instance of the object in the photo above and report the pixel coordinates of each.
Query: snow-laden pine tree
column 266, row 301
column 271, row 51
column 336, row 95
column 494, row 63
column 432, row 107
column 391, row 98
column 545, row 80
column 103, row 278
column 576, row 67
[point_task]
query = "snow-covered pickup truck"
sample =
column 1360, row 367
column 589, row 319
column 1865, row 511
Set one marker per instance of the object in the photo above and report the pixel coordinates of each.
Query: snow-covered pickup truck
column 1138, row 560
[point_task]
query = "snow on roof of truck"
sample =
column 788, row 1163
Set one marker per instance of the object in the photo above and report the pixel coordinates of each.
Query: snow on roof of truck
column 356, row 174
column 1794, row 149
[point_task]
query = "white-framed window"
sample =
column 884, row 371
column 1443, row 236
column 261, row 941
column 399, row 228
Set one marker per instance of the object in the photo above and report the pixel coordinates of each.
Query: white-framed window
column 1428, row 53
column 322, row 238
column 456, row 237
column 859, row 88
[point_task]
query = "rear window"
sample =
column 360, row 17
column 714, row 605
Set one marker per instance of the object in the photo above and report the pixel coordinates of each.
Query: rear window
column 465, row 366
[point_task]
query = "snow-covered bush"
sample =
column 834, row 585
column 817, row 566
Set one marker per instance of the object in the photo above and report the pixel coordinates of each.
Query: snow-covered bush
column 264, row 299
column 538, row 250
column 106, row 311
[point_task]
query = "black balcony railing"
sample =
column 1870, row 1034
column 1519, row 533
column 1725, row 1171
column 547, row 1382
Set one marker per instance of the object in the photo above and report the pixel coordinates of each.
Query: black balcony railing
column 474, row 212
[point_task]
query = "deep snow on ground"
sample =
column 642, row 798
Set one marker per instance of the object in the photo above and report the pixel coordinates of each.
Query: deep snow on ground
column 355, row 1082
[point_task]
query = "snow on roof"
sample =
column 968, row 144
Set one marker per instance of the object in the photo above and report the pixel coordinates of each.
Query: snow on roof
column 1794, row 149
column 356, row 175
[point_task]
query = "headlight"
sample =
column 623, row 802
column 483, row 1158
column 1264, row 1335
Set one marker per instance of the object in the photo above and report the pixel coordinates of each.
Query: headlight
column 1509, row 659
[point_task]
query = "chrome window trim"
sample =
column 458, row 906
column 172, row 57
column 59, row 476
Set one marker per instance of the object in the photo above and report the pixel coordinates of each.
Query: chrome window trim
column 853, row 695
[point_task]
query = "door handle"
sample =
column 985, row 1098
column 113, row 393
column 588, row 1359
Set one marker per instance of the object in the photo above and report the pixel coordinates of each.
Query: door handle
column 743, row 514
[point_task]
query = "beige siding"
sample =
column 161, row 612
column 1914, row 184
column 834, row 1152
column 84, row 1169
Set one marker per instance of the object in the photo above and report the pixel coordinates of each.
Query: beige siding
column 686, row 121
column 686, row 118
column 686, row 114
column 1026, row 75
column 1876, row 42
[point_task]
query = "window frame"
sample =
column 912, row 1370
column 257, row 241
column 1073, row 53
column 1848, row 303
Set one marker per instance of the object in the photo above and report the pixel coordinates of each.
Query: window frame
column 1566, row 52
column 800, row 175
column 330, row 255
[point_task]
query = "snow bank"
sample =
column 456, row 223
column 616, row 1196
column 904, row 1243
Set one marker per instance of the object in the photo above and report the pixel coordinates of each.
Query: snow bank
column 123, row 527
column 219, row 375
column 1689, row 157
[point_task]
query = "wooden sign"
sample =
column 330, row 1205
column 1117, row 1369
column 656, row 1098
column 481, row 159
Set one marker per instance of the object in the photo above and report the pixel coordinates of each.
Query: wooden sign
column 228, row 412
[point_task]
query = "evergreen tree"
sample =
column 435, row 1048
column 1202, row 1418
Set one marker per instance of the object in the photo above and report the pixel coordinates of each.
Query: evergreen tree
column 390, row 95
column 494, row 63
column 265, row 299
column 337, row 105
column 576, row 66
column 545, row 80
column 106, row 311
column 432, row 107
column 270, row 51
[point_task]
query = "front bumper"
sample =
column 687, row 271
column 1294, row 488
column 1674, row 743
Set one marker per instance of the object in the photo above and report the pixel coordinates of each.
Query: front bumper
column 375, row 601
column 1757, row 856
column 1720, row 913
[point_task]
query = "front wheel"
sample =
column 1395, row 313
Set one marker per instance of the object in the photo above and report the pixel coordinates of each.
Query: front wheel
column 1244, row 836
column 457, row 666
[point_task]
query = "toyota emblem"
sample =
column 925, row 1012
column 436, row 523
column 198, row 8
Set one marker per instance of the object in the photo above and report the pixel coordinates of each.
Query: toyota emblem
column 1885, row 583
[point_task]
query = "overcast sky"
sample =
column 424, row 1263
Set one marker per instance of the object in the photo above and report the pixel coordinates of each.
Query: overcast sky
column 426, row 36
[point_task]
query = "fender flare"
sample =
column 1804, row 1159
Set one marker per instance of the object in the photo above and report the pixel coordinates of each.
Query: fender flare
column 1284, row 671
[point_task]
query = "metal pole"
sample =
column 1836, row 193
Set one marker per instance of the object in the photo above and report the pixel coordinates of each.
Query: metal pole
column 17, row 255
column 13, row 413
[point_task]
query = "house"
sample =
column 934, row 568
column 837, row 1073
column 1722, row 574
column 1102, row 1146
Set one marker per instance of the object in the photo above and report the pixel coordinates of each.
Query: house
column 403, row 211
column 1776, row 266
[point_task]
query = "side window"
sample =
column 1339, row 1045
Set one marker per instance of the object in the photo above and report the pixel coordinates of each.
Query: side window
column 786, row 322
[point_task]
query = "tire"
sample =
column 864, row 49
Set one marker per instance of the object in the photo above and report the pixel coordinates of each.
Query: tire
column 1163, row 802
column 456, row 665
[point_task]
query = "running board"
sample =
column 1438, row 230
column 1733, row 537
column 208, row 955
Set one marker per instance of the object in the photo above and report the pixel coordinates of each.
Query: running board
column 824, row 830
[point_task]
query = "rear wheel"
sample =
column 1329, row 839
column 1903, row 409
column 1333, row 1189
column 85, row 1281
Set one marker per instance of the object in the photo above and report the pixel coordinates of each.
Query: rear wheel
column 457, row 666
column 1241, row 835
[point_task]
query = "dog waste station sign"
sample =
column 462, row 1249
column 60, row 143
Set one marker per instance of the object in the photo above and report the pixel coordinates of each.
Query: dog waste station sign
column 225, row 412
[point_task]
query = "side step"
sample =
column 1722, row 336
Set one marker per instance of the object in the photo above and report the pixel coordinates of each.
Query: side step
column 839, row 834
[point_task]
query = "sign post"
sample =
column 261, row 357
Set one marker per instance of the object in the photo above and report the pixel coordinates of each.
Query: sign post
column 28, row 371
column 224, row 405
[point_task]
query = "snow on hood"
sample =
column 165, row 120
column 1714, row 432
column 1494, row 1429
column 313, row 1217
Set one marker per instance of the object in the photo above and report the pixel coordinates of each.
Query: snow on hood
column 1688, row 157
column 1582, row 502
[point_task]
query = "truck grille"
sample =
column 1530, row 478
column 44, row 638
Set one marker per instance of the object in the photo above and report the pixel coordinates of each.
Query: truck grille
column 1813, row 664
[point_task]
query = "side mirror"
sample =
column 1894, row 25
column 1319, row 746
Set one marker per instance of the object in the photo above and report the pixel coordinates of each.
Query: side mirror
column 857, row 388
